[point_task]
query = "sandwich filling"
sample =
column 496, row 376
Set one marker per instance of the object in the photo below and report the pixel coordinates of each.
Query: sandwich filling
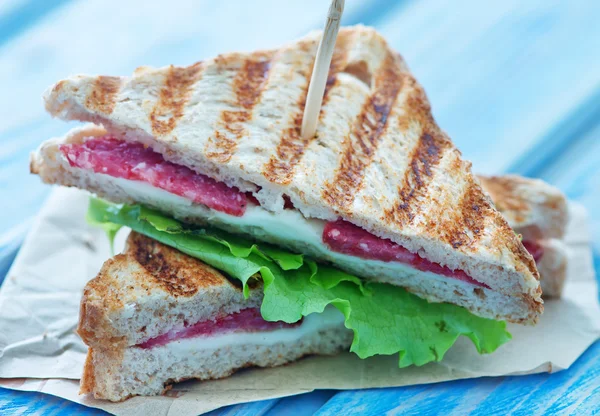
column 384, row 318
column 246, row 327
column 246, row 320
column 135, row 164
column 535, row 249
column 347, row 238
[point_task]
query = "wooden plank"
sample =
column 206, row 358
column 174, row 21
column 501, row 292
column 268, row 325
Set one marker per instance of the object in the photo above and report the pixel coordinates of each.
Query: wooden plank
column 302, row 404
column 566, row 136
column 34, row 404
column 8, row 6
column 500, row 75
column 16, row 16
column 576, row 170
column 527, row 395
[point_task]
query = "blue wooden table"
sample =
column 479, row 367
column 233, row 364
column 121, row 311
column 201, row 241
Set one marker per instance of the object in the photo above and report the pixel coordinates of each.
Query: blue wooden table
column 516, row 85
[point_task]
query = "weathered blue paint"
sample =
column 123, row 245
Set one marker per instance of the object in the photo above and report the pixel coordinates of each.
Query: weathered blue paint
column 517, row 84
column 23, row 15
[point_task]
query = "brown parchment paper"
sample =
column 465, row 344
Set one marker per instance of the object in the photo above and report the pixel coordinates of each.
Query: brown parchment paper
column 39, row 350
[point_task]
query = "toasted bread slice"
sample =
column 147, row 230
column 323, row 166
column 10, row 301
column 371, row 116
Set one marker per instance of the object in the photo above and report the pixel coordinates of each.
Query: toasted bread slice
column 538, row 212
column 378, row 159
column 152, row 289
column 532, row 207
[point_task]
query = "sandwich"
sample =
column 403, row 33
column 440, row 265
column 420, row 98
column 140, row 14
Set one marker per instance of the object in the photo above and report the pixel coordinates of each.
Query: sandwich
column 154, row 316
column 539, row 213
column 376, row 215
column 212, row 330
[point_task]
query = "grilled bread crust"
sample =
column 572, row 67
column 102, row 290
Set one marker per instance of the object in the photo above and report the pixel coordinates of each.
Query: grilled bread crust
column 151, row 289
column 532, row 207
column 378, row 159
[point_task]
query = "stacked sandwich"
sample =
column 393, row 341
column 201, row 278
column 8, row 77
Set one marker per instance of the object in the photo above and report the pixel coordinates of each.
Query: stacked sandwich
column 255, row 246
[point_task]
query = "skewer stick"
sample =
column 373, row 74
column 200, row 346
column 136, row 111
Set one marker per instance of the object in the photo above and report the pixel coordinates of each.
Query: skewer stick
column 316, row 88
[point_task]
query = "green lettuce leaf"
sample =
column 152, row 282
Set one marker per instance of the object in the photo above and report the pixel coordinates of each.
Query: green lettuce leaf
column 111, row 229
column 385, row 319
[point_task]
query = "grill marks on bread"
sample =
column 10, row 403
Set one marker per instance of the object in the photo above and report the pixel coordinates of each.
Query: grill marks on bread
column 175, row 272
column 360, row 146
column 425, row 157
column 419, row 174
column 102, row 97
column 173, row 98
column 291, row 148
column 506, row 237
column 248, row 85
column 468, row 224
column 250, row 81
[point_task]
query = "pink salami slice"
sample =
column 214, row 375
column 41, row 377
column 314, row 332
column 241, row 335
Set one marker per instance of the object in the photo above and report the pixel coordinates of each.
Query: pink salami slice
column 536, row 250
column 344, row 237
column 136, row 162
column 246, row 320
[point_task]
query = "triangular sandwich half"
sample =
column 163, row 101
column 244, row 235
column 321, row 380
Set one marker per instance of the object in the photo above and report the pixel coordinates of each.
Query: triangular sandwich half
column 154, row 316
column 380, row 191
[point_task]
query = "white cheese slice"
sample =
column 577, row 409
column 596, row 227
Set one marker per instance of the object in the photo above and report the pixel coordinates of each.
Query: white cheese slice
column 288, row 228
column 311, row 324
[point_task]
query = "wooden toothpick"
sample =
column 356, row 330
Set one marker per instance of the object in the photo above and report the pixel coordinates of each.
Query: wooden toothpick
column 316, row 88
